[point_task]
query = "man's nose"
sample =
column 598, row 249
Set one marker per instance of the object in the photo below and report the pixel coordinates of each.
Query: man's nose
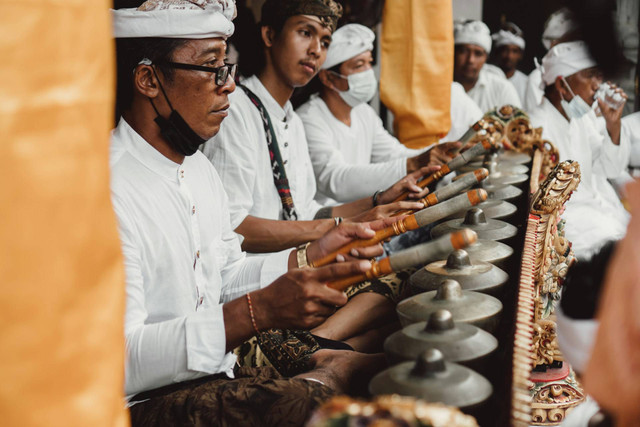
column 228, row 86
column 314, row 47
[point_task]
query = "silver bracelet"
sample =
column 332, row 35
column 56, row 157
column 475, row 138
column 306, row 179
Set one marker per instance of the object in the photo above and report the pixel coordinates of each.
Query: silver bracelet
column 338, row 220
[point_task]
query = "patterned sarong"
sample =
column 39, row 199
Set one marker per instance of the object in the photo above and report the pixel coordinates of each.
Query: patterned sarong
column 256, row 397
column 289, row 351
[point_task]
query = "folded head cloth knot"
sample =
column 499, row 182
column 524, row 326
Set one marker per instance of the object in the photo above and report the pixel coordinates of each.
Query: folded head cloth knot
column 472, row 32
column 347, row 42
column 559, row 24
column 276, row 12
column 184, row 19
column 505, row 37
column 565, row 59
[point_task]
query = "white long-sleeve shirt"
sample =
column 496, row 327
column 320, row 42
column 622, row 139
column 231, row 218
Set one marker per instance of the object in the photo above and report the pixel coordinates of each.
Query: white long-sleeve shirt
column 240, row 155
column 351, row 162
column 519, row 81
column 533, row 94
column 491, row 91
column 631, row 128
column 594, row 214
column 182, row 261
column 464, row 113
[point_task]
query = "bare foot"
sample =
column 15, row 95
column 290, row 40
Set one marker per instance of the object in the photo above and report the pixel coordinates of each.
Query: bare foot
column 372, row 340
column 345, row 371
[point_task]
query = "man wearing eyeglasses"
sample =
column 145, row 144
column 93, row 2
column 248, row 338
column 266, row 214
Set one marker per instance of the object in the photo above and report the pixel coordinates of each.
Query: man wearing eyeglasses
column 192, row 294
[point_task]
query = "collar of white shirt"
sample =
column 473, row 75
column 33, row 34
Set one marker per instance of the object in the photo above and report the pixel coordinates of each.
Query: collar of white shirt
column 146, row 153
column 273, row 108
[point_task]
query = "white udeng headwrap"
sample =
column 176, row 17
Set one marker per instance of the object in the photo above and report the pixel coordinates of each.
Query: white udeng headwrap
column 184, row 19
column 559, row 23
column 504, row 37
column 472, row 32
column 565, row 59
column 347, row 42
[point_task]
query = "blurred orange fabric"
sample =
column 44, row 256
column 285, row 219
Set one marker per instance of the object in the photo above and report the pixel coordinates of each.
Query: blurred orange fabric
column 417, row 68
column 62, row 305
column 612, row 377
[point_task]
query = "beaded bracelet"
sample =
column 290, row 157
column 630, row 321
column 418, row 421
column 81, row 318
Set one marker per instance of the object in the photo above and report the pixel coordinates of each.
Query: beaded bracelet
column 253, row 318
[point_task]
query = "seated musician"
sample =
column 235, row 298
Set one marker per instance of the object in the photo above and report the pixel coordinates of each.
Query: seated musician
column 261, row 150
column 262, row 141
column 594, row 214
column 472, row 47
column 508, row 44
column 352, row 154
column 192, row 294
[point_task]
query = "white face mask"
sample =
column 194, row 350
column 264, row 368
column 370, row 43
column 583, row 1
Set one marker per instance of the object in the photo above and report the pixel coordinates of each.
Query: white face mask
column 575, row 108
column 362, row 87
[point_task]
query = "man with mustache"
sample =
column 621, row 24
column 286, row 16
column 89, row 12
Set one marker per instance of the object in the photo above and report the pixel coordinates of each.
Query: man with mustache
column 472, row 47
column 192, row 294
column 261, row 151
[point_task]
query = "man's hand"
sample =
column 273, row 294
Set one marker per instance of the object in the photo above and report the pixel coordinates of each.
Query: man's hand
column 300, row 299
column 346, row 233
column 385, row 211
column 613, row 116
column 408, row 184
column 437, row 156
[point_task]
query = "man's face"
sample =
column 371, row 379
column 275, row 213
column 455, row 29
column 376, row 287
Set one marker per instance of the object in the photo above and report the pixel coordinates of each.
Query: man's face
column 300, row 49
column 509, row 57
column 357, row 64
column 468, row 61
column 585, row 83
column 194, row 94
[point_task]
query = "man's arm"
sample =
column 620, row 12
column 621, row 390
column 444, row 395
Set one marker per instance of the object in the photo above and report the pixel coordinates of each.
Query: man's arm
column 616, row 146
column 340, row 178
column 266, row 235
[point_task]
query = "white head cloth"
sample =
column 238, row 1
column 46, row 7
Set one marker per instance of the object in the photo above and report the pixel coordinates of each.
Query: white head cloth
column 559, row 23
column 565, row 59
column 504, row 37
column 472, row 32
column 348, row 41
column 184, row 19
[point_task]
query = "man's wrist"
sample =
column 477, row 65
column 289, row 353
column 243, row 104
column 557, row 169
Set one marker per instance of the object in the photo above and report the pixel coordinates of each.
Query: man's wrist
column 301, row 255
column 260, row 314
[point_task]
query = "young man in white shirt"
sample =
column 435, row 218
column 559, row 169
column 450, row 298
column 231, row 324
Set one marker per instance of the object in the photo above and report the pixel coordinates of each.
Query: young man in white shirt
column 594, row 214
column 472, row 46
column 294, row 46
column 352, row 153
column 508, row 49
column 192, row 294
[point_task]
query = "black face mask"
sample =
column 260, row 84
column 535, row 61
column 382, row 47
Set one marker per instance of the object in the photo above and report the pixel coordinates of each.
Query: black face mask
column 179, row 134
column 175, row 129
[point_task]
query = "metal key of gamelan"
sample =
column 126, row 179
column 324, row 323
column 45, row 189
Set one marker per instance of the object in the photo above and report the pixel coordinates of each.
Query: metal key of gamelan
column 462, row 183
column 460, row 160
column 412, row 222
column 417, row 255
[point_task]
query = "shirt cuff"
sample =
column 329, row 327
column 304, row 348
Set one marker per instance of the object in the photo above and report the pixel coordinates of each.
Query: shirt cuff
column 206, row 342
column 274, row 266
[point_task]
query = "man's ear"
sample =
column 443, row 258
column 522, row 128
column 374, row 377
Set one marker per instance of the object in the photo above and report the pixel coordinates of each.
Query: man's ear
column 268, row 35
column 325, row 79
column 561, row 88
column 145, row 81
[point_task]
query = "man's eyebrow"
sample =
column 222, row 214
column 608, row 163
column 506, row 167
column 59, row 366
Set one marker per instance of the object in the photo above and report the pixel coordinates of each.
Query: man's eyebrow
column 313, row 28
column 217, row 50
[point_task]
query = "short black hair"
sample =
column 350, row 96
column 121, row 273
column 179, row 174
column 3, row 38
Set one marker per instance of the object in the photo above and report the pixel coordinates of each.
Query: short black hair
column 129, row 53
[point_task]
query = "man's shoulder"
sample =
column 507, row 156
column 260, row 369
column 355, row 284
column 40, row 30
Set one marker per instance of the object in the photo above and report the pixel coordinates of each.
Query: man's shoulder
column 310, row 109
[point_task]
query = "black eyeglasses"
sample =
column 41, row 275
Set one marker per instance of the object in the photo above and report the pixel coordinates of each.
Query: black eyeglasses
column 221, row 73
